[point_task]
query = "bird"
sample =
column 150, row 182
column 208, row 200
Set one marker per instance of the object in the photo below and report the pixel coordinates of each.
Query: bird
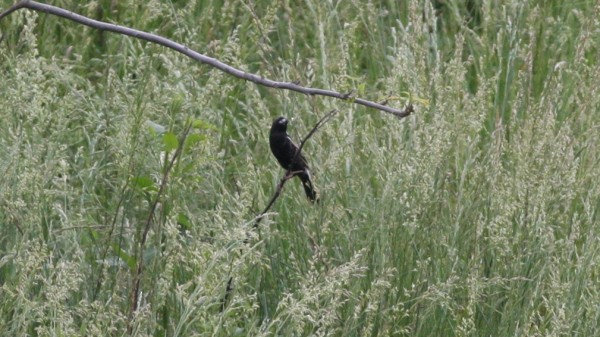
column 286, row 153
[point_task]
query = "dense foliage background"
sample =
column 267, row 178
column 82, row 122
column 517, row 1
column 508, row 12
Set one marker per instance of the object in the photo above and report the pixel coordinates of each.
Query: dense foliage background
column 476, row 216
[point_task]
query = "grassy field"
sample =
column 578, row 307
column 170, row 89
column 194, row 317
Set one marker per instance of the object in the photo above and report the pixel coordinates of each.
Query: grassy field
column 475, row 216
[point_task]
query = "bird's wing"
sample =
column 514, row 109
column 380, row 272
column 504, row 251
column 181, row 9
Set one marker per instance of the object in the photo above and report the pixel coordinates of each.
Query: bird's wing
column 300, row 158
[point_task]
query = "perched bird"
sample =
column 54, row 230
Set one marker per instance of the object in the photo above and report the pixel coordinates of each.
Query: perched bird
column 285, row 151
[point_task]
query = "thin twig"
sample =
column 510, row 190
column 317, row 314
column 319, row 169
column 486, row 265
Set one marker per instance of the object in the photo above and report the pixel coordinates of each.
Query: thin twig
column 287, row 176
column 202, row 58
column 317, row 126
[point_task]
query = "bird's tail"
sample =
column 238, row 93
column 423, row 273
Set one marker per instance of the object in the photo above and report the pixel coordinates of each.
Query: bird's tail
column 310, row 191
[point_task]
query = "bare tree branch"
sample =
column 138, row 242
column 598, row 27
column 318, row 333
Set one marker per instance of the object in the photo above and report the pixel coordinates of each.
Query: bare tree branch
column 287, row 176
column 200, row 57
column 317, row 126
column 18, row 5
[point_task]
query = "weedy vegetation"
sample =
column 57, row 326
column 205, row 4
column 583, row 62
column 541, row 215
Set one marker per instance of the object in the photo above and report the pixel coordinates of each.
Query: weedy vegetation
column 475, row 216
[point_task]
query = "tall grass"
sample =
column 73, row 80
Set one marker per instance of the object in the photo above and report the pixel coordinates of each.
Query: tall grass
column 476, row 216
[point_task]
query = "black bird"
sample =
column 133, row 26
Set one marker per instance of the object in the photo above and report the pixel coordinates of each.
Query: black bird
column 284, row 150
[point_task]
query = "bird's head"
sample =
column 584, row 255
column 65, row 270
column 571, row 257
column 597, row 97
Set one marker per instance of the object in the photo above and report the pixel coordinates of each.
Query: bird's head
column 280, row 124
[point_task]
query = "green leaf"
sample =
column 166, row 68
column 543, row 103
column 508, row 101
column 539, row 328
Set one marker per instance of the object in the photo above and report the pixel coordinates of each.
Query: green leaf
column 200, row 124
column 170, row 140
column 193, row 139
column 184, row 221
column 143, row 182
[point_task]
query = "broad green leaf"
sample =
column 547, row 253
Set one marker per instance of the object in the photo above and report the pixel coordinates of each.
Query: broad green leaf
column 143, row 182
column 194, row 139
column 170, row 140
column 200, row 124
column 184, row 221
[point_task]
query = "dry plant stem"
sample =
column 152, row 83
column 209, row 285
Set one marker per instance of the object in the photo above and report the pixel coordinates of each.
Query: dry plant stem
column 135, row 290
column 200, row 57
column 288, row 175
column 317, row 126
